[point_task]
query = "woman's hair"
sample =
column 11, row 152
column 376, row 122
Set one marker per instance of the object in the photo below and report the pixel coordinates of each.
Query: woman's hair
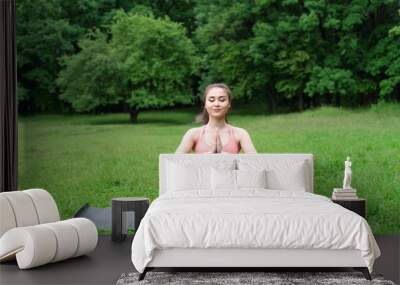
column 203, row 117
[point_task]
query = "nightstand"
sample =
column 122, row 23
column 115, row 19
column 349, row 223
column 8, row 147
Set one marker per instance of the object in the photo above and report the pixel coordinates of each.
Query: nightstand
column 120, row 207
column 358, row 206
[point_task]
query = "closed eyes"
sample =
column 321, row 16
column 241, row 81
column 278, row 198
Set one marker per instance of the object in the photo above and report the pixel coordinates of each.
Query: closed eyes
column 221, row 99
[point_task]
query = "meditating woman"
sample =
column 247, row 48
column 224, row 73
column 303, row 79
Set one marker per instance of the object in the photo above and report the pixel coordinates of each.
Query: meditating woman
column 216, row 135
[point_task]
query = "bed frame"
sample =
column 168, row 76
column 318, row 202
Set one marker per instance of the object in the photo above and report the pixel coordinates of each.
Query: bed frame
column 259, row 258
column 250, row 257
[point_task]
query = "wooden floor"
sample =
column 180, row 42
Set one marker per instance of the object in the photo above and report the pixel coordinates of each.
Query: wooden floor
column 110, row 260
column 103, row 266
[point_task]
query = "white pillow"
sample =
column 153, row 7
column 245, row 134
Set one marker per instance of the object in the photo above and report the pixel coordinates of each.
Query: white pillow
column 194, row 174
column 282, row 174
column 181, row 177
column 290, row 177
column 227, row 179
column 223, row 179
column 251, row 178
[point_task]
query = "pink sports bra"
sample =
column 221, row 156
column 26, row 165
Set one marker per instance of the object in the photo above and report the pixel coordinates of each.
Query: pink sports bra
column 232, row 146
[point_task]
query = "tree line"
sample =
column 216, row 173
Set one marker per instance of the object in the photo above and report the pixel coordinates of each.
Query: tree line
column 131, row 55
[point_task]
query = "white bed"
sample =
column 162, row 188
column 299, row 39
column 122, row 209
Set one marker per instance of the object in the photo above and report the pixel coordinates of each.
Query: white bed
column 247, row 226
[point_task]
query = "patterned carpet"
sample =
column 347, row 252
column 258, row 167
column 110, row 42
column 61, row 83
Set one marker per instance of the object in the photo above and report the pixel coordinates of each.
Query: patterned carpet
column 225, row 278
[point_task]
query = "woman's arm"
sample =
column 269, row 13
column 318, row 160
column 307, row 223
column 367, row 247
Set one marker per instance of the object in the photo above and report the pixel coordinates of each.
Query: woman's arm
column 245, row 142
column 187, row 142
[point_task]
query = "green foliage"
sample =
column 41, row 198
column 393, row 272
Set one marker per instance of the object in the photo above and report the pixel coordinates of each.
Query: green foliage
column 86, row 14
column 148, row 63
column 294, row 65
column 309, row 22
column 88, row 78
column 42, row 36
column 331, row 81
column 180, row 11
column 156, row 59
column 22, row 93
column 46, row 31
column 385, row 60
column 260, row 48
column 223, row 37
column 286, row 48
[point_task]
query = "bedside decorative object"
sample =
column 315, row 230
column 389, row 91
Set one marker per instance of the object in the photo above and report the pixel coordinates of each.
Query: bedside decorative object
column 358, row 205
column 120, row 207
column 344, row 194
column 347, row 174
column 347, row 193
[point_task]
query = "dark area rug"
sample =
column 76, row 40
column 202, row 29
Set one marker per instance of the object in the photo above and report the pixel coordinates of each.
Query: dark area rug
column 225, row 278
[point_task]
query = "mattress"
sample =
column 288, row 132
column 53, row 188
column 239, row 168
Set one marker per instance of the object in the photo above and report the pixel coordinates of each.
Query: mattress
column 250, row 219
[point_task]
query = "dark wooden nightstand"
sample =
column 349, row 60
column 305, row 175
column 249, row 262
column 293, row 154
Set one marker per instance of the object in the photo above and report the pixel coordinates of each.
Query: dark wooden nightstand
column 122, row 205
column 358, row 206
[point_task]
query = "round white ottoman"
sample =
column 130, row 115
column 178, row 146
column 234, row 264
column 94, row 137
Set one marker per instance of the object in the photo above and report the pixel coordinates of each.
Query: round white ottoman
column 40, row 244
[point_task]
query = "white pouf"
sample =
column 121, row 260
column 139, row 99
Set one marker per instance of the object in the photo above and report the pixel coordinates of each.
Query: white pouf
column 31, row 232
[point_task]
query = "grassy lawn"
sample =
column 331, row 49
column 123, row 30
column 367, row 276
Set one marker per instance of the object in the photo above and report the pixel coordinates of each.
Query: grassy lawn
column 93, row 158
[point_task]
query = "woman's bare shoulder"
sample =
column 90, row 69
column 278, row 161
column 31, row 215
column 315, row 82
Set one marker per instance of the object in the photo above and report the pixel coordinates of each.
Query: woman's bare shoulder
column 193, row 132
column 188, row 140
column 239, row 132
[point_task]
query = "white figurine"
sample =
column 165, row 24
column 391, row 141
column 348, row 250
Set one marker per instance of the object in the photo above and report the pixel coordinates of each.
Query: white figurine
column 347, row 174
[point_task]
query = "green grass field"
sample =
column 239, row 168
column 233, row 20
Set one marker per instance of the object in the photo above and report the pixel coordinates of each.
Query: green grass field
column 93, row 158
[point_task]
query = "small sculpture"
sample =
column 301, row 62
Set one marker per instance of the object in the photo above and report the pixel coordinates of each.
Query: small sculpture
column 347, row 174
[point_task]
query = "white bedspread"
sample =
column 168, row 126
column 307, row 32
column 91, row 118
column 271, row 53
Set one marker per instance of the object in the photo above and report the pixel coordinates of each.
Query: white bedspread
column 250, row 219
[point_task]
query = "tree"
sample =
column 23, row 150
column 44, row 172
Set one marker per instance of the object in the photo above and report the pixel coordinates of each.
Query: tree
column 43, row 36
column 180, row 11
column 330, row 81
column 47, row 30
column 334, row 52
column 223, row 37
column 88, row 78
column 148, row 63
column 295, row 53
column 385, row 63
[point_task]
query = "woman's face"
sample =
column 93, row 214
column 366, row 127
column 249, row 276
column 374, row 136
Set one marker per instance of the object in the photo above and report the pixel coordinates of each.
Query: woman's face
column 217, row 102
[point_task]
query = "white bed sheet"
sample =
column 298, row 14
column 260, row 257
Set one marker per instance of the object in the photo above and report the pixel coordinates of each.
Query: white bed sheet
column 252, row 218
